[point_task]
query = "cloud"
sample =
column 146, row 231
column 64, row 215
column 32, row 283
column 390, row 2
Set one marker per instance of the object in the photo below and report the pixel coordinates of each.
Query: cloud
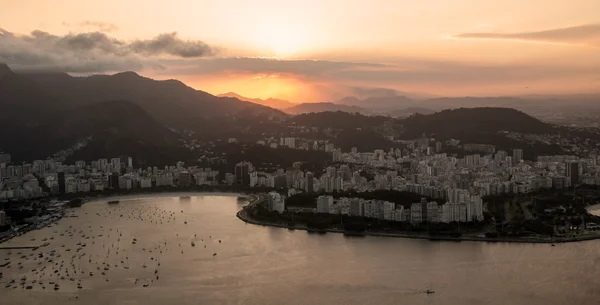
column 94, row 51
column 99, row 25
column 583, row 34
column 249, row 65
column 404, row 71
column 171, row 44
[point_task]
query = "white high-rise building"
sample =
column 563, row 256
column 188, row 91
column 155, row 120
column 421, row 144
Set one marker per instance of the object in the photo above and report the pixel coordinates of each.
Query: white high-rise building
column 416, row 214
column 389, row 209
column 276, row 202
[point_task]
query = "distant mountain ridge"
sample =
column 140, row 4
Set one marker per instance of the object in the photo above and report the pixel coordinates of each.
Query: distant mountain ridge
column 270, row 102
column 322, row 107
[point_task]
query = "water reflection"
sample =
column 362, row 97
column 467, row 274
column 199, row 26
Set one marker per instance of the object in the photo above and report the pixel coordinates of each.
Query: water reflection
column 265, row 265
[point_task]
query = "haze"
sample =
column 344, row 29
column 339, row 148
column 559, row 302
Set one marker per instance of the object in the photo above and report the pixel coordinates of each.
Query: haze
column 316, row 50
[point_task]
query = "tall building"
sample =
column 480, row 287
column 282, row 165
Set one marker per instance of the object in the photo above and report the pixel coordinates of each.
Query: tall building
column 323, row 204
column 356, row 207
column 309, row 183
column 572, row 171
column 61, row 182
column 517, row 155
column 3, row 221
column 116, row 164
column 242, row 173
column 424, row 211
column 276, row 202
column 113, row 180
column 129, row 162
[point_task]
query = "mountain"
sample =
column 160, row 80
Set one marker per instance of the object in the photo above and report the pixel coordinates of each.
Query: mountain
column 104, row 129
column 338, row 120
column 321, row 107
column 4, row 69
column 483, row 126
column 386, row 102
column 170, row 101
column 270, row 102
column 23, row 102
column 456, row 123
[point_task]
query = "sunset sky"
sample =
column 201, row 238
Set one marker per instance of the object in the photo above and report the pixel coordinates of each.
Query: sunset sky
column 316, row 50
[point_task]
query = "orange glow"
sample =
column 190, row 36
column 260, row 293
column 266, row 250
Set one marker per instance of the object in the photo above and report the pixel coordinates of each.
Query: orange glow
column 261, row 86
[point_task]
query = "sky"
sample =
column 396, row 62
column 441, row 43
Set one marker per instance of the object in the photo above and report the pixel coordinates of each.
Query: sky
column 316, row 50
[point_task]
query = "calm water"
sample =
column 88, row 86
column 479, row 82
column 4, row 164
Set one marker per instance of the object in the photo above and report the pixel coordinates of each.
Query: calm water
column 262, row 265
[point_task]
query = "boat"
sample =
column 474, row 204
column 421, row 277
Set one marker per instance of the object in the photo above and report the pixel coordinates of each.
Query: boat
column 193, row 244
column 113, row 201
column 430, row 289
column 185, row 197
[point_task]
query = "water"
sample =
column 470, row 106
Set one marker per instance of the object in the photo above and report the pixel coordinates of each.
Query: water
column 264, row 265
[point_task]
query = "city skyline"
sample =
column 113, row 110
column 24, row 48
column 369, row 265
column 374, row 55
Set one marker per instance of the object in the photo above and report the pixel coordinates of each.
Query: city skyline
column 310, row 51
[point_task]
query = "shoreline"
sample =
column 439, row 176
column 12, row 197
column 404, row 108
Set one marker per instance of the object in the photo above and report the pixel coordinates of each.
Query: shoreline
column 242, row 215
column 125, row 197
column 254, row 198
column 141, row 196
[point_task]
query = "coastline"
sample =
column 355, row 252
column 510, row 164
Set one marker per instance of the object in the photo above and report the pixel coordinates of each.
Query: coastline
column 255, row 198
column 125, row 197
column 141, row 196
column 242, row 215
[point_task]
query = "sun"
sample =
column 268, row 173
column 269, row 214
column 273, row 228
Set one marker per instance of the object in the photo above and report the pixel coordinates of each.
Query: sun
column 284, row 40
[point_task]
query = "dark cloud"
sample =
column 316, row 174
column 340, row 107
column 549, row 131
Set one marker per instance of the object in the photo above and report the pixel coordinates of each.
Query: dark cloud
column 99, row 25
column 171, row 44
column 583, row 34
column 93, row 51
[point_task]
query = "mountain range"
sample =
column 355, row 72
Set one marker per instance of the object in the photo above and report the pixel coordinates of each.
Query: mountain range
column 42, row 114
column 395, row 106
column 270, row 102
column 171, row 102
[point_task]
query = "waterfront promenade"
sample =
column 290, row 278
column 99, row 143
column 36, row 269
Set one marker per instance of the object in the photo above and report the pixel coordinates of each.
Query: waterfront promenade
column 244, row 216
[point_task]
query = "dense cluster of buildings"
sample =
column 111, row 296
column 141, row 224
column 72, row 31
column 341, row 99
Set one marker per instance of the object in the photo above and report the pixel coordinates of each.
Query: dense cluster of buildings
column 423, row 211
column 418, row 167
column 43, row 177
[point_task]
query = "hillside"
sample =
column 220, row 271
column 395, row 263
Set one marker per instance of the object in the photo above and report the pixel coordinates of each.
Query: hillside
column 108, row 129
column 456, row 123
column 322, row 107
column 170, row 101
column 337, row 120
column 400, row 113
column 270, row 102
column 23, row 102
